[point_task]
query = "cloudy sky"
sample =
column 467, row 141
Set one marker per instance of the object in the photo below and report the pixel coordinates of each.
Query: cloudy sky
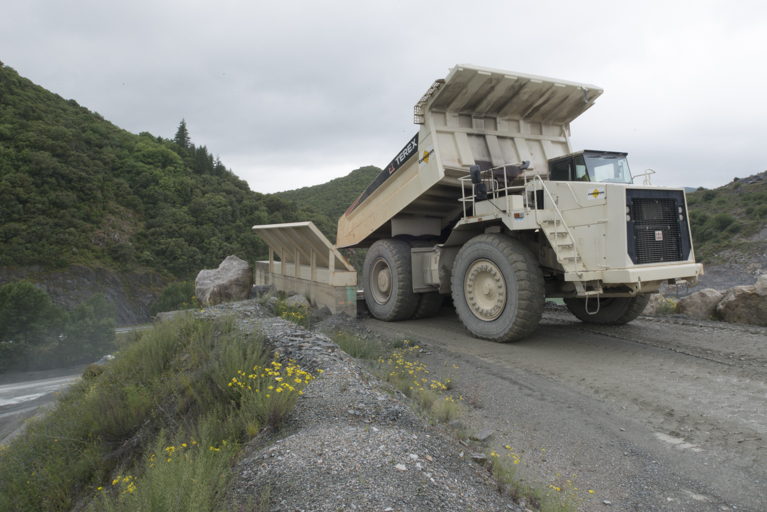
column 296, row 93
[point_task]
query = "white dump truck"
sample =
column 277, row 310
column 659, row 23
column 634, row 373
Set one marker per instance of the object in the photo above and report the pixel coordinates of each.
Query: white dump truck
column 489, row 203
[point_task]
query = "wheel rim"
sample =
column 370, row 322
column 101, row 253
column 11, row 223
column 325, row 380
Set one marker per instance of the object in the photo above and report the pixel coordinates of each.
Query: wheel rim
column 485, row 290
column 380, row 281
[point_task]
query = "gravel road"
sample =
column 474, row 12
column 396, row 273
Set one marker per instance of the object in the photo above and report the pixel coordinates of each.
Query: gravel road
column 661, row 414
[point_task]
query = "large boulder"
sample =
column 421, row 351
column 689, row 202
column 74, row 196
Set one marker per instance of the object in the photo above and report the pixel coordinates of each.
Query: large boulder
column 232, row 280
column 297, row 301
column 700, row 305
column 745, row 304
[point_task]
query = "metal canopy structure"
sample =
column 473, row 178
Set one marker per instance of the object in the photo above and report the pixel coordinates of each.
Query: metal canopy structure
column 301, row 243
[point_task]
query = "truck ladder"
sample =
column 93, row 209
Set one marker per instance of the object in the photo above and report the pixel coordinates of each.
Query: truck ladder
column 563, row 242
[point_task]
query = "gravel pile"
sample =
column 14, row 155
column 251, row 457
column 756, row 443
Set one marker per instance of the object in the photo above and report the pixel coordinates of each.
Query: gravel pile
column 351, row 443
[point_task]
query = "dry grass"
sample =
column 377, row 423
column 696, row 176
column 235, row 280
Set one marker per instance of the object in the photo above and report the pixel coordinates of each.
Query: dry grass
column 157, row 429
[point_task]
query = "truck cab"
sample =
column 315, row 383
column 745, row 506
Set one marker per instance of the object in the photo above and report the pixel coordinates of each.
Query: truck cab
column 590, row 165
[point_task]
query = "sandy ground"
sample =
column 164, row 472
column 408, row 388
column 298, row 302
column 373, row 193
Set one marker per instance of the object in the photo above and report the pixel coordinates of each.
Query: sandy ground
column 655, row 415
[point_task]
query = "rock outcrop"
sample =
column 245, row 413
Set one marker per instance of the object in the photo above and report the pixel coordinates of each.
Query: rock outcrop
column 745, row 304
column 232, row 280
column 700, row 305
column 297, row 301
column 131, row 293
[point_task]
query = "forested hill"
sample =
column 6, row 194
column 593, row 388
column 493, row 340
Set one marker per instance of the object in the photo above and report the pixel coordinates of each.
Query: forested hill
column 334, row 197
column 74, row 188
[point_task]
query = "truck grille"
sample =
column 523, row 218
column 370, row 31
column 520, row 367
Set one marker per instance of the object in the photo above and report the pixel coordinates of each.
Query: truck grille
column 657, row 229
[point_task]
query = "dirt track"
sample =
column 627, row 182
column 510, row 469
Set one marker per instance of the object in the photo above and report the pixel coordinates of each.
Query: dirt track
column 654, row 415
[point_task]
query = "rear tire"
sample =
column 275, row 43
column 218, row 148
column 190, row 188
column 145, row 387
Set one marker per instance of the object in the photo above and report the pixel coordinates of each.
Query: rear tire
column 498, row 289
column 428, row 305
column 612, row 310
column 388, row 280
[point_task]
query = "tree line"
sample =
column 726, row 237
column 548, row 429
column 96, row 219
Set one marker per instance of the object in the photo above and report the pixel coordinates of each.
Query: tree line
column 76, row 189
column 37, row 335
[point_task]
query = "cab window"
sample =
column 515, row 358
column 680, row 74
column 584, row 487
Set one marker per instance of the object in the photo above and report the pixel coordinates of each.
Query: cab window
column 560, row 171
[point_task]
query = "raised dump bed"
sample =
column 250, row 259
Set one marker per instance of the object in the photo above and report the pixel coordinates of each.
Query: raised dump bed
column 475, row 116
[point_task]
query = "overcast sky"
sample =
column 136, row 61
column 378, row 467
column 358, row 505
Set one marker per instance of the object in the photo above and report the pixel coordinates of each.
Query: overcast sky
column 291, row 94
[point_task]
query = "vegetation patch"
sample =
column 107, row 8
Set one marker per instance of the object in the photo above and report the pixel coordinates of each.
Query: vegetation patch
column 357, row 347
column 667, row 305
column 299, row 315
column 76, row 189
column 560, row 496
column 157, row 429
column 727, row 218
column 174, row 297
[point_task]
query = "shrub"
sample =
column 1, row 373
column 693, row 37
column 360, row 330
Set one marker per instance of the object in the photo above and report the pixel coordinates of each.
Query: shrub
column 698, row 218
column 721, row 221
column 93, row 371
column 667, row 306
column 357, row 347
column 187, row 472
column 296, row 314
column 174, row 297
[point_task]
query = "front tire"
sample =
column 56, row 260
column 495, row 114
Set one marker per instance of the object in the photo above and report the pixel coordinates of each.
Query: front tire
column 498, row 289
column 612, row 310
column 388, row 280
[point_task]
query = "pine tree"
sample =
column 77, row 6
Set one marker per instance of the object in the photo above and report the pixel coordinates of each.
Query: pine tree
column 182, row 135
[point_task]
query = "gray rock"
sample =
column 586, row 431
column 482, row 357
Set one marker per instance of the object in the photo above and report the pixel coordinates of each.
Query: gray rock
column 484, row 436
column 271, row 304
column 761, row 285
column 479, row 458
column 745, row 304
column 700, row 305
column 259, row 291
column 297, row 301
column 232, row 280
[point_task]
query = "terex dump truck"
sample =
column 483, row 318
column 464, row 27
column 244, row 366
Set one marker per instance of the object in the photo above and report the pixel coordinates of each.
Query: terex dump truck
column 489, row 203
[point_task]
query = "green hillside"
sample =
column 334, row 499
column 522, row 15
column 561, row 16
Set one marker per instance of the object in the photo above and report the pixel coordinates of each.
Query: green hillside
column 74, row 188
column 728, row 219
column 334, row 197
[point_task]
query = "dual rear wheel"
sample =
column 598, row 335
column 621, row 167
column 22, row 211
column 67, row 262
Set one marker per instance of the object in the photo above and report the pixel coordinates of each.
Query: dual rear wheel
column 497, row 287
column 388, row 280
